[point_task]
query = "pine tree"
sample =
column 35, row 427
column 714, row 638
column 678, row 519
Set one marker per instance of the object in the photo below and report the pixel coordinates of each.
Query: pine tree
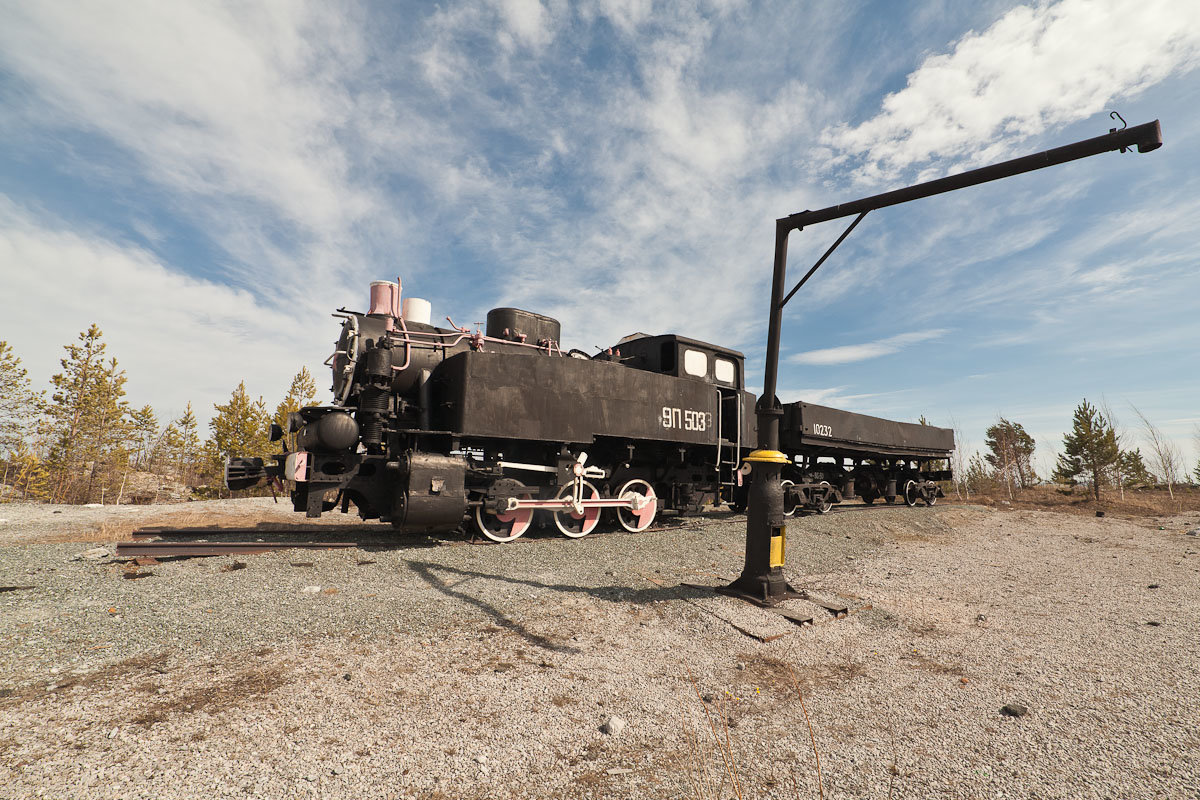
column 303, row 392
column 144, row 435
column 977, row 477
column 185, row 446
column 1091, row 448
column 1012, row 453
column 20, row 406
column 240, row 428
column 87, row 421
column 28, row 475
column 1132, row 468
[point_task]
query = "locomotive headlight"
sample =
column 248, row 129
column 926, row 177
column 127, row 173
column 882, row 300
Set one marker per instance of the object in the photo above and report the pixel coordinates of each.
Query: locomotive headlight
column 276, row 433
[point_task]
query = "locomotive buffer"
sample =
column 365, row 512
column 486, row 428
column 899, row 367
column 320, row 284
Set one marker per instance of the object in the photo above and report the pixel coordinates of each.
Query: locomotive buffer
column 762, row 580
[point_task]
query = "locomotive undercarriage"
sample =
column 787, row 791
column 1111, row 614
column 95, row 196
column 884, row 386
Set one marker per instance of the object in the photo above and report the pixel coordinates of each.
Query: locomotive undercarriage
column 499, row 487
column 818, row 485
column 502, row 487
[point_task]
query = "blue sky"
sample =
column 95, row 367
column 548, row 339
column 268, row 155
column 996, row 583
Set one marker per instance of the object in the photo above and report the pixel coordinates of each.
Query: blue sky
column 208, row 182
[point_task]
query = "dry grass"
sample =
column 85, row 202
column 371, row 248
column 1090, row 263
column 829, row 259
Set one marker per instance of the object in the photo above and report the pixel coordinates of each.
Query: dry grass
column 724, row 745
column 215, row 697
column 123, row 671
column 775, row 676
column 812, row 736
column 1137, row 502
column 713, row 738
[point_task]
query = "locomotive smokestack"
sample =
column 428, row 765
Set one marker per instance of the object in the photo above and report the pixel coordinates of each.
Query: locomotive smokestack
column 385, row 298
column 417, row 309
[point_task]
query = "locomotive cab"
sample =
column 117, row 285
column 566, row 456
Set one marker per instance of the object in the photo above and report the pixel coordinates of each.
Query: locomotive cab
column 681, row 357
column 720, row 367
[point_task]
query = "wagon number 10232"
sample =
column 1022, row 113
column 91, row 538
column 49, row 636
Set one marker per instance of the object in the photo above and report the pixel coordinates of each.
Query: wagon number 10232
column 686, row 419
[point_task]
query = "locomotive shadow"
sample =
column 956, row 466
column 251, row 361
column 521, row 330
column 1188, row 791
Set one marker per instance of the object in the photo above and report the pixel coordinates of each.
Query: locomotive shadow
column 431, row 573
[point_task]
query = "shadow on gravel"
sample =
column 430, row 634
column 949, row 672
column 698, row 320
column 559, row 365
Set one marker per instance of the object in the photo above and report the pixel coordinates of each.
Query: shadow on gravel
column 433, row 575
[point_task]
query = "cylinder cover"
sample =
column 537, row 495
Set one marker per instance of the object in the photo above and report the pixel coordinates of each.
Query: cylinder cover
column 333, row 431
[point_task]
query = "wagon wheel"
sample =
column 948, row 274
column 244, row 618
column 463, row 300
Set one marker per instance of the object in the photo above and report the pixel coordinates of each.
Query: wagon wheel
column 634, row 521
column 574, row 525
column 506, row 526
column 789, row 509
column 867, row 498
column 912, row 493
column 825, row 504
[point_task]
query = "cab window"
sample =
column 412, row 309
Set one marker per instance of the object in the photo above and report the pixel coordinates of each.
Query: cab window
column 695, row 363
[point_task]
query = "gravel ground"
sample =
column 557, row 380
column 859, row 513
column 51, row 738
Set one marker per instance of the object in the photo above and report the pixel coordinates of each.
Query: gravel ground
column 432, row 667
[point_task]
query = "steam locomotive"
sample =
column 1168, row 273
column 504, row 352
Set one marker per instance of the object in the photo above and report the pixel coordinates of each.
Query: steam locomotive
column 434, row 427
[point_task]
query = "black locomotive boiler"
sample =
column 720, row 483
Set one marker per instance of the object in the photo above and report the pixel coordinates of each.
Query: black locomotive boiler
column 431, row 427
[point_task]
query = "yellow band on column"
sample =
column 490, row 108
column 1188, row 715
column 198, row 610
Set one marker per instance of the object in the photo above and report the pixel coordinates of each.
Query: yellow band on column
column 777, row 540
column 768, row 457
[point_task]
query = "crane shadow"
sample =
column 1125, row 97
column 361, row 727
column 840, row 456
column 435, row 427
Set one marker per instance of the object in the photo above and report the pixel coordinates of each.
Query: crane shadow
column 447, row 580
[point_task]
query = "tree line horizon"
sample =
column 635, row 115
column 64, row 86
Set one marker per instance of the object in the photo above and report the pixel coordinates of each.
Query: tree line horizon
column 1097, row 453
column 81, row 443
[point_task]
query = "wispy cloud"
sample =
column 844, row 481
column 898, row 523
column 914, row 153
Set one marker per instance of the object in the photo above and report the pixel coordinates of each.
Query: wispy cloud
column 1037, row 67
column 848, row 354
column 614, row 163
column 180, row 339
column 244, row 114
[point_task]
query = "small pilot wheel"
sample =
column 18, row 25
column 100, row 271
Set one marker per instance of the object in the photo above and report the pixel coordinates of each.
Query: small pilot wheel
column 504, row 527
column 825, row 504
column 889, row 498
column 789, row 507
column 931, row 497
column 642, row 494
column 573, row 524
column 911, row 494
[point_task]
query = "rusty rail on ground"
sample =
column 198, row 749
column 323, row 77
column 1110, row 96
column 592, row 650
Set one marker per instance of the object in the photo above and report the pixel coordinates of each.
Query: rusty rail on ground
column 137, row 549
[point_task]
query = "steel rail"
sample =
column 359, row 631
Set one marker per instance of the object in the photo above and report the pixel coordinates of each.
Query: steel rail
column 202, row 533
column 166, row 549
